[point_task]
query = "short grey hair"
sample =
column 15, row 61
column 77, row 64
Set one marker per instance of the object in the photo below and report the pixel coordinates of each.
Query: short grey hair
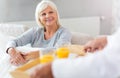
column 42, row 6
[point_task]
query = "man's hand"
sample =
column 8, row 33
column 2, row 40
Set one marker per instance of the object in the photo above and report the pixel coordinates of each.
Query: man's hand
column 96, row 44
column 44, row 71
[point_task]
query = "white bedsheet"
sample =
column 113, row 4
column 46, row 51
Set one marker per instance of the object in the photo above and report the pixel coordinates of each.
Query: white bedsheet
column 5, row 66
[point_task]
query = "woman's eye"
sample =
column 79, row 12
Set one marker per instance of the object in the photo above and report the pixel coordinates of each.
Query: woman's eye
column 51, row 12
column 43, row 14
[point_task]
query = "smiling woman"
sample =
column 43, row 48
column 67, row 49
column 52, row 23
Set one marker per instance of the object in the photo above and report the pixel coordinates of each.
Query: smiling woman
column 50, row 36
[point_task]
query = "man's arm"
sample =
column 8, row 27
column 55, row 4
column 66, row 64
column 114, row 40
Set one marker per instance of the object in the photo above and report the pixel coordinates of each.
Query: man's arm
column 44, row 71
column 97, row 44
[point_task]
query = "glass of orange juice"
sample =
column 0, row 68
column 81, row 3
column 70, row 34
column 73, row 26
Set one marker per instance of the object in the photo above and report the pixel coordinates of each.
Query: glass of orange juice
column 62, row 52
column 46, row 57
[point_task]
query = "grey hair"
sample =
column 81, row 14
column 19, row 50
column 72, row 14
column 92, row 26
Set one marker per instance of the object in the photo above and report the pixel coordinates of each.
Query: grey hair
column 42, row 6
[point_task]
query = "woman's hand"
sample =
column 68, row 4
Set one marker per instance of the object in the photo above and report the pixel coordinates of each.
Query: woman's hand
column 96, row 44
column 16, row 58
column 42, row 72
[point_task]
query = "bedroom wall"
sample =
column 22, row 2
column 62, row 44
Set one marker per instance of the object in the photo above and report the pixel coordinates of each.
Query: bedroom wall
column 116, row 13
column 20, row 10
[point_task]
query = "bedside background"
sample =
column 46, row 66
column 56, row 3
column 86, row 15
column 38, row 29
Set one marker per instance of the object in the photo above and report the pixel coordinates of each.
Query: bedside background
column 23, row 10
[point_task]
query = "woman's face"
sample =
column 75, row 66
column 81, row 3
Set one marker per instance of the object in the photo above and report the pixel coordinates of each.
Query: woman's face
column 48, row 17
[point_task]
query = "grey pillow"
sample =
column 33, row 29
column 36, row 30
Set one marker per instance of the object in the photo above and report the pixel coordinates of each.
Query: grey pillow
column 80, row 38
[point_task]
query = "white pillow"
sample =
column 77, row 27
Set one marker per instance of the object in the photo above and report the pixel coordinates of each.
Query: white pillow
column 4, row 40
column 80, row 38
column 12, row 29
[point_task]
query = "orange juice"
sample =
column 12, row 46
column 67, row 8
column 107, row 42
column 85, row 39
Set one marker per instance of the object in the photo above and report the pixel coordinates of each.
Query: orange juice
column 46, row 58
column 62, row 52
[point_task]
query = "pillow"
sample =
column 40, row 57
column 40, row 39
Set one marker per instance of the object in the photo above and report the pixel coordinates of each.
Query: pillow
column 80, row 38
column 4, row 40
column 12, row 29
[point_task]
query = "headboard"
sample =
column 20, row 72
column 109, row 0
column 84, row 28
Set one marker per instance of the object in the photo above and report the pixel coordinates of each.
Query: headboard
column 88, row 25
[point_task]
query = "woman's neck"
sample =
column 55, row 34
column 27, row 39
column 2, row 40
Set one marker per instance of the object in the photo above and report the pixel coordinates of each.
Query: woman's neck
column 50, row 31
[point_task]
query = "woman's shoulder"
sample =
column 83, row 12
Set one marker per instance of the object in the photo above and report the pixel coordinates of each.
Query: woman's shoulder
column 64, row 32
column 63, row 29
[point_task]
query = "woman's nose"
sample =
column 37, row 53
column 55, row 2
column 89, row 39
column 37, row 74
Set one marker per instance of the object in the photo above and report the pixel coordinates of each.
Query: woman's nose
column 47, row 15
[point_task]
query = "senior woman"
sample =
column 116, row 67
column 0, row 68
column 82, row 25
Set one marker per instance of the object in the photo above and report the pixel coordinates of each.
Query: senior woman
column 50, row 36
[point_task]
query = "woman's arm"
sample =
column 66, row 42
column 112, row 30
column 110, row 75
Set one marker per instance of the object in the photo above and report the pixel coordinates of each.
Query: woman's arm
column 16, row 57
column 23, row 39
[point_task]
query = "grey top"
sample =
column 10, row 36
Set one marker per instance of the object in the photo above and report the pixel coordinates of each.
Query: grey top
column 35, row 37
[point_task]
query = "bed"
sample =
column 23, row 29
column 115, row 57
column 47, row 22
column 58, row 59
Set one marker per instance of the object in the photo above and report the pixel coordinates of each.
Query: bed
column 81, row 28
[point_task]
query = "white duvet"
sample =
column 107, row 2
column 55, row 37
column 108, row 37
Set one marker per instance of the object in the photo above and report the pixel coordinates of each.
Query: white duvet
column 5, row 66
